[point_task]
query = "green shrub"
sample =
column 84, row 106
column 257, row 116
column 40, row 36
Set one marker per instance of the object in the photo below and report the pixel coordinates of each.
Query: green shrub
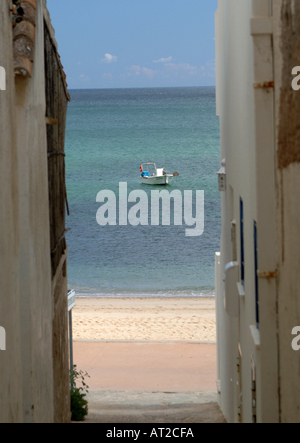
column 79, row 405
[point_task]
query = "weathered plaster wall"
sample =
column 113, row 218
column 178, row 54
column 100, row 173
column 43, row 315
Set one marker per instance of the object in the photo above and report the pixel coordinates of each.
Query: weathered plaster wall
column 10, row 360
column 61, row 381
column 289, row 125
column 287, row 44
column 35, row 276
column 34, row 385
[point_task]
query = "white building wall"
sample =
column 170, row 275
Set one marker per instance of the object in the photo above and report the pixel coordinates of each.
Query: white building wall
column 262, row 34
column 244, row 59
column 235, row 105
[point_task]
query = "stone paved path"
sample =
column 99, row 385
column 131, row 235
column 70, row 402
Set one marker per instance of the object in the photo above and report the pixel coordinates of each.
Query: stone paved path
column 153, row 407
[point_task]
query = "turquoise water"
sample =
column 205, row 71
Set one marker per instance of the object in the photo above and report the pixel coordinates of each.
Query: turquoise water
column 109, row 134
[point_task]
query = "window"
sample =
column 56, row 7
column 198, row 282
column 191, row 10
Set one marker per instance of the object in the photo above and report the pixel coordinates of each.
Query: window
column 242, row 243
column 256, row 276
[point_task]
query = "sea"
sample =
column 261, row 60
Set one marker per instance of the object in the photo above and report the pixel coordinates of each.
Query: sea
column 110, row 133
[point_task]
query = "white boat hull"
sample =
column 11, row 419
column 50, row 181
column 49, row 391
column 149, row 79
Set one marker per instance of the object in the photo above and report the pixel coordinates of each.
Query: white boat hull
column 163, row 180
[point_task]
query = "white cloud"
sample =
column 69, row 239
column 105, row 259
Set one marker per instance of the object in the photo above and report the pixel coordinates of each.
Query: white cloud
column 209, row 69
column 108, row 58
column 84, row 78
column 150, row 73
column 163, row 60
column 181, row 67
column 136, row 70
column 170, row 70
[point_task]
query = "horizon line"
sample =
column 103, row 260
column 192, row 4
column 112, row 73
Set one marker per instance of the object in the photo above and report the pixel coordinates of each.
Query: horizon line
column 141, row 87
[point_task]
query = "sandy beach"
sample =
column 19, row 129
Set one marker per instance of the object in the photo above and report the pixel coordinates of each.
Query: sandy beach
column 149, row 319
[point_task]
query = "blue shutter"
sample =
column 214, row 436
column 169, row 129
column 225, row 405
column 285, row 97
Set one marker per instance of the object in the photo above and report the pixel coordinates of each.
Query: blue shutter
column 242, row 242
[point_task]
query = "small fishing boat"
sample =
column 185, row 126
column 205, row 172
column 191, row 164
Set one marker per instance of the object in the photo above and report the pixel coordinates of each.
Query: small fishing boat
column 151, row 175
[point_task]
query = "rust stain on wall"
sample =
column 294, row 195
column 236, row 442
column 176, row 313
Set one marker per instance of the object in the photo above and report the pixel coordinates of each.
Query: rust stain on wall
column 289, row 125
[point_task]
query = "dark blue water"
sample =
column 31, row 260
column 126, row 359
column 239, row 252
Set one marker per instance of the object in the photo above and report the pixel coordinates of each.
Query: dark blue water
column 109, row 134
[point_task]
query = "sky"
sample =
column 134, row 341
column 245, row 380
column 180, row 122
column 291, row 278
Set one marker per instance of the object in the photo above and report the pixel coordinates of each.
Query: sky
column 135, row 43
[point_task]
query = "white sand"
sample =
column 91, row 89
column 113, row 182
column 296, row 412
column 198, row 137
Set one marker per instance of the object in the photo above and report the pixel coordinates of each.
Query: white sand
column 150, row 319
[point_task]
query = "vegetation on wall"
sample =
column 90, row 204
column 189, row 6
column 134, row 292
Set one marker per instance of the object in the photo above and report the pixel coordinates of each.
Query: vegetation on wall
column 79, row 405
